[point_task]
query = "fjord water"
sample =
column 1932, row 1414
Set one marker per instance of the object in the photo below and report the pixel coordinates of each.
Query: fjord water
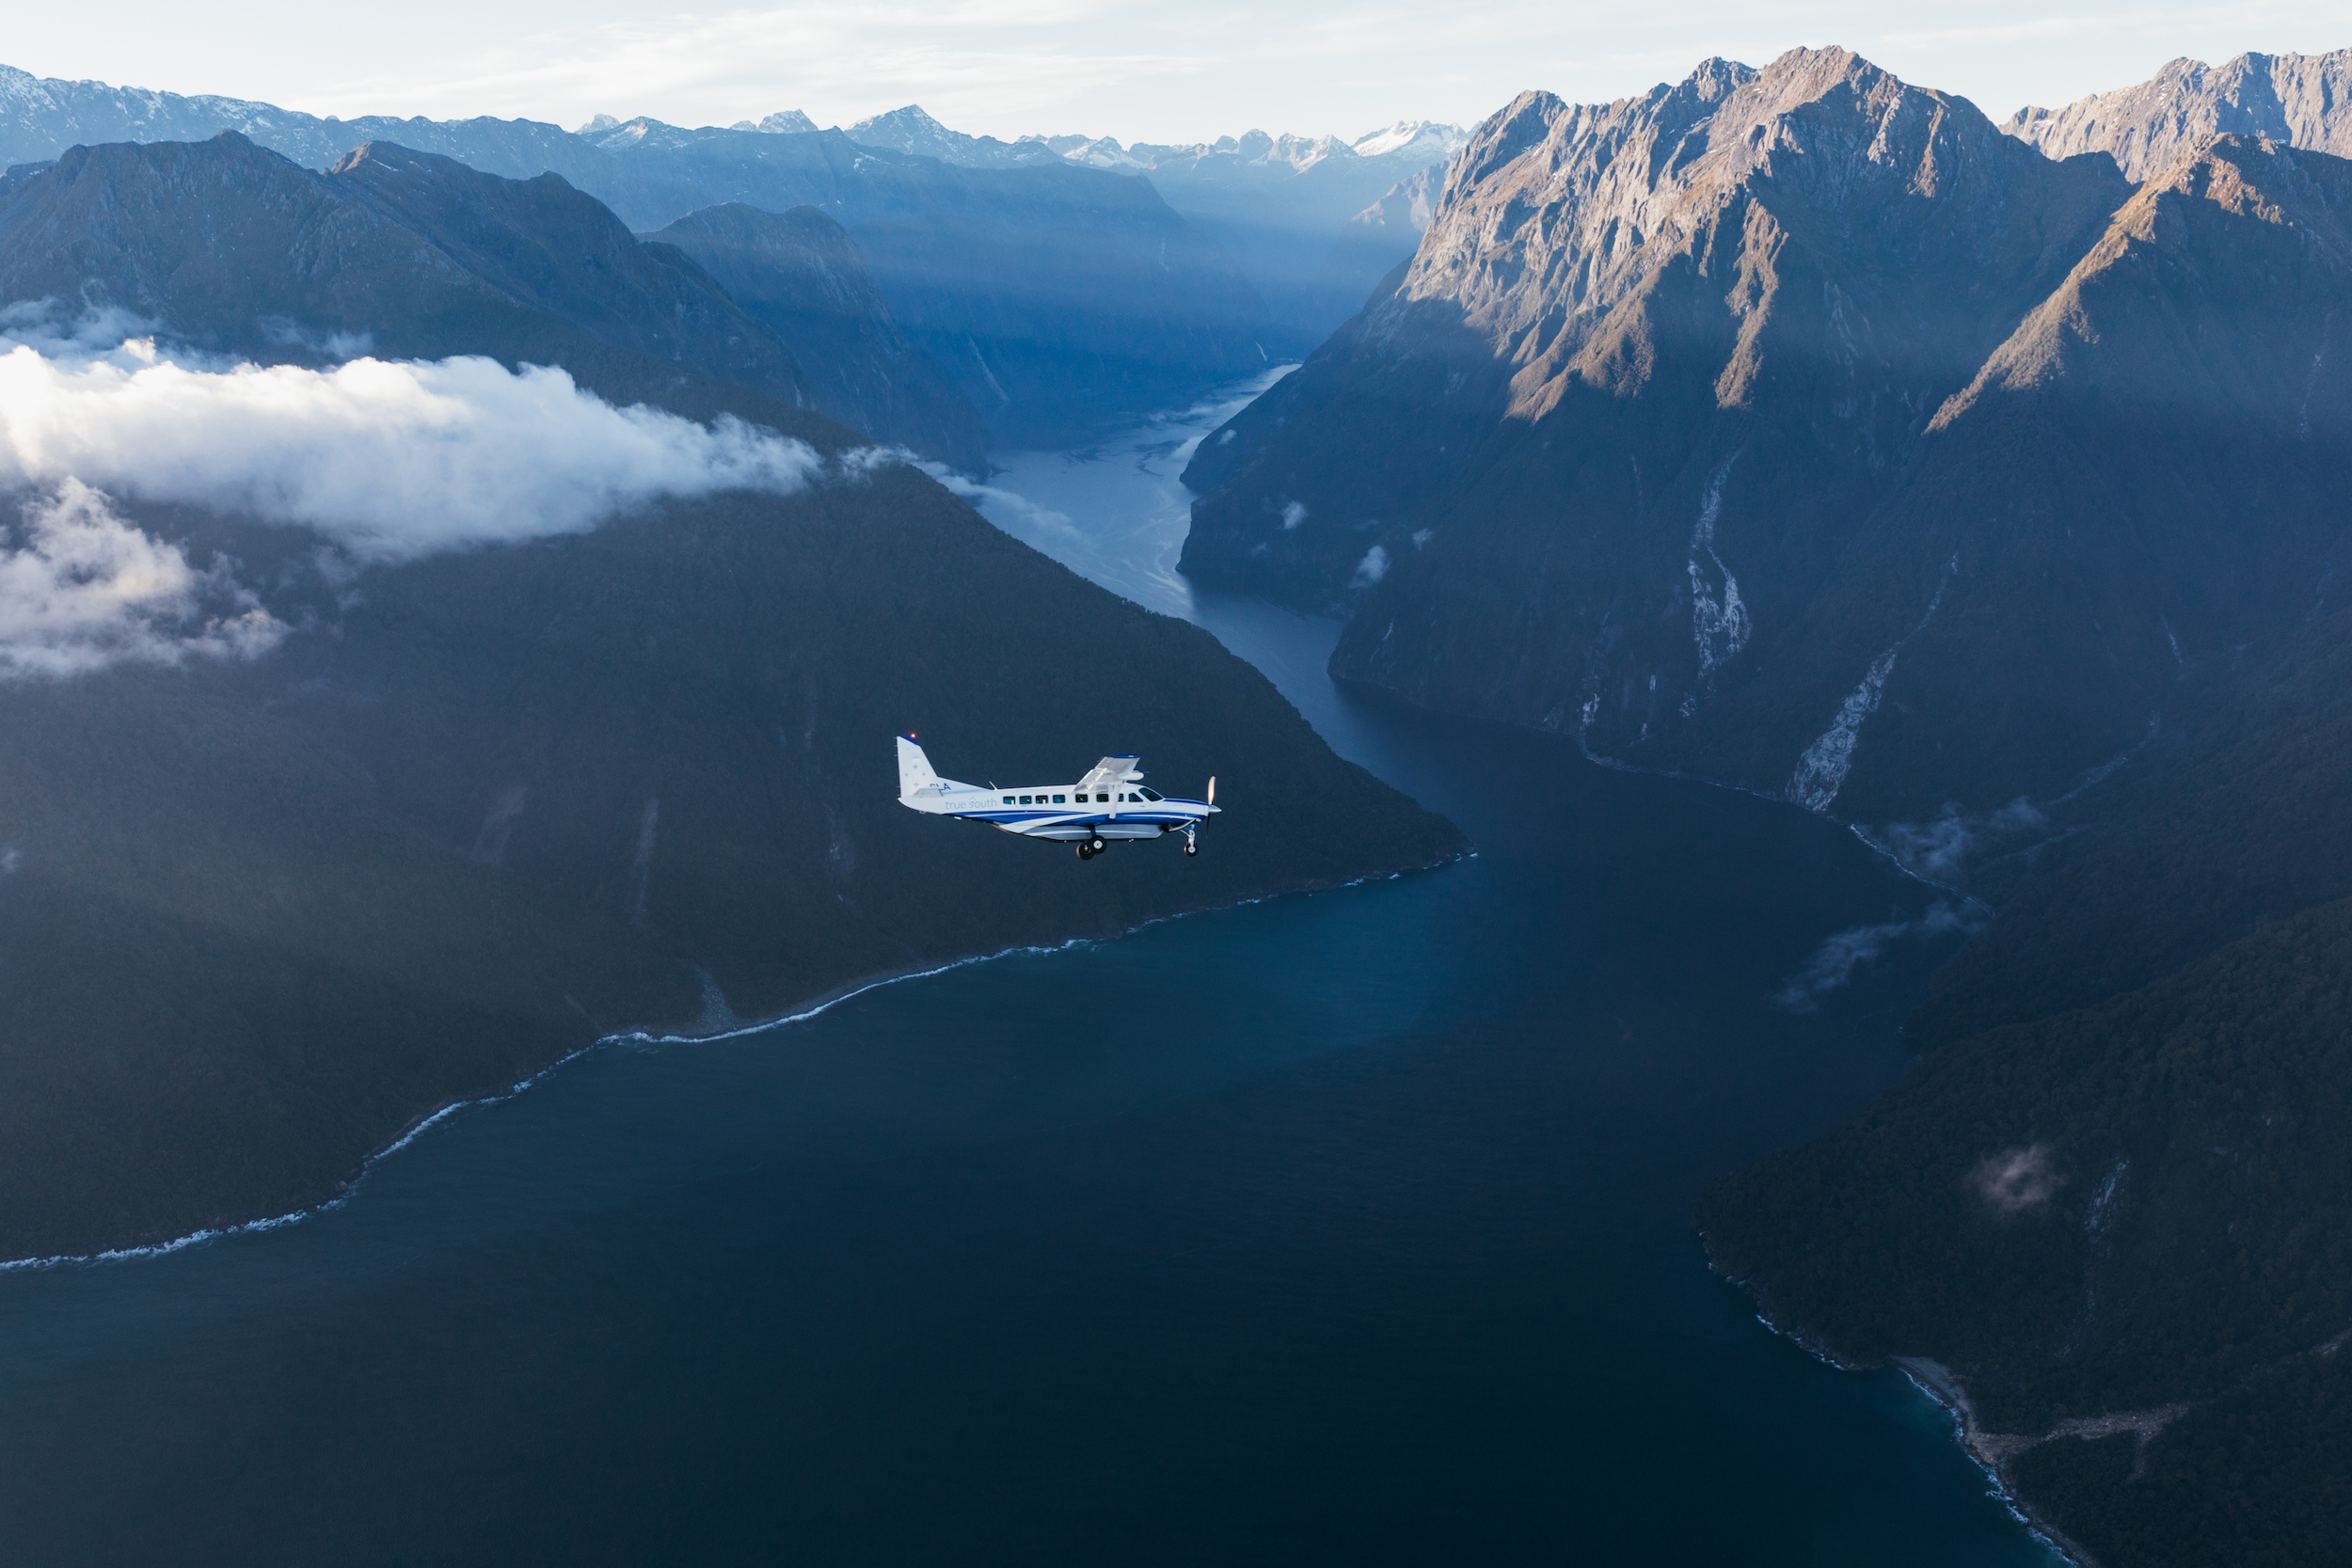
column 1350, row 1227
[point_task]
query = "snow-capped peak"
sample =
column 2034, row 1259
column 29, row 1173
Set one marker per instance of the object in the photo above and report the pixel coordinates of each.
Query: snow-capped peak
column 1416, row 136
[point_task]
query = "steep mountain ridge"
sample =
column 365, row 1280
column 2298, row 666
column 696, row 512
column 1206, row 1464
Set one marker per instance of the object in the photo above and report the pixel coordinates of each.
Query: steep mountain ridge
column 1613, row 455
column 564, row 252
column 236, row 249
column 2294, row 99
column 1375, row 242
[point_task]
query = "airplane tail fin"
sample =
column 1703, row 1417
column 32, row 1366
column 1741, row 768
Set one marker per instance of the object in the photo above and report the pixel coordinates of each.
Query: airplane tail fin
column 915, row 770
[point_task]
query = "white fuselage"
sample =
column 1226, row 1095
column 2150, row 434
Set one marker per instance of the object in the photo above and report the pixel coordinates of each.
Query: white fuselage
column 1109, row 802
column 1062, row 811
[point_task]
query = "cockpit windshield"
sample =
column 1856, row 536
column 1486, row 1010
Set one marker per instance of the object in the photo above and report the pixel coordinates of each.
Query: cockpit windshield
column 1149, row 794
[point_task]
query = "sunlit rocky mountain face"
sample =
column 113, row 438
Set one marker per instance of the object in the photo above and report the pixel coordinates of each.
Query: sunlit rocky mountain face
column 1798, row 428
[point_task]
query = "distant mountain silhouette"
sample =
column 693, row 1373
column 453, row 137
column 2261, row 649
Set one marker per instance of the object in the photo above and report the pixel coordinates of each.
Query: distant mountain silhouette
column 1060, row 299
column 802, row 276
column 1286, row 208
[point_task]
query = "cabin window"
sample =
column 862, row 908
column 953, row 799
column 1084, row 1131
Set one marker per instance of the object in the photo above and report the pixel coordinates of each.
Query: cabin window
column 1024, row 799
column 1102, row 799
column 1061, row 801
column 1009, row 800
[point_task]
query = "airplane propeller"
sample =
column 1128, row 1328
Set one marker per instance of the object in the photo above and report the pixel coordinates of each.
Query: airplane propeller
column 1192, row 829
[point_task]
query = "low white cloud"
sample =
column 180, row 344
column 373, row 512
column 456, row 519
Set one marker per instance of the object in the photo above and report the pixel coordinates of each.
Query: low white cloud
column 1942, row 851
column 1840, row 958
column 2016, row 1179
column 1005, row 507
column 1294, row 514
column 1370, row 570
column 389, row 459
column 386, row 460
column 81, row 589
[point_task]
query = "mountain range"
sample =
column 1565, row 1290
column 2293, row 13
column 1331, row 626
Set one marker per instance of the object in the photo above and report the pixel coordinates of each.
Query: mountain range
column 1656, row 445
column 1042, row 279
column 2294, row 99
column 1054, row 298
column 1285, row 207
column 1798, row 428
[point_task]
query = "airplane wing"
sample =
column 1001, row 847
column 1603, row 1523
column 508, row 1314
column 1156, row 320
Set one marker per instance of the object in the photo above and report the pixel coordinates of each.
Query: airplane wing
column 1109, row 772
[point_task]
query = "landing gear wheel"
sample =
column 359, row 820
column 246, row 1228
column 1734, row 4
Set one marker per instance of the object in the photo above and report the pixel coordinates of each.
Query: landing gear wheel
column 1190, row 848
column 1095, row 847
column 1086, row 851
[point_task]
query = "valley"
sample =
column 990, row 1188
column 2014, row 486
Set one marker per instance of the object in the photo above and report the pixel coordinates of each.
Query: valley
column 1775, row 651
column 1372, row 1203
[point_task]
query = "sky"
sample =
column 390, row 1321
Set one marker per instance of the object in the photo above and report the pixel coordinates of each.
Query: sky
column 1155, row 72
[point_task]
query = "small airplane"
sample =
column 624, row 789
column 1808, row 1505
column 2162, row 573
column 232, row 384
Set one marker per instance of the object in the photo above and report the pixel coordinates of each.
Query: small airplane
column 1110, row 803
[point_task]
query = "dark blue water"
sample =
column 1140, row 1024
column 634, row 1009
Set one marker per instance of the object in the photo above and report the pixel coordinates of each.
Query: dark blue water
column 1339, row 1230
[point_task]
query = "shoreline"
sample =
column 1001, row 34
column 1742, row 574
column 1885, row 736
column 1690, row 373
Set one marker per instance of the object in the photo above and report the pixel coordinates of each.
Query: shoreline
column 346, row 1190
column 1990, row 1453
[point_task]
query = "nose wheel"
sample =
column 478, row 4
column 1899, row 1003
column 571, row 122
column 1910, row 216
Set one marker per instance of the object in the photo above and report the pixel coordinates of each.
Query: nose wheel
column 1192, row 845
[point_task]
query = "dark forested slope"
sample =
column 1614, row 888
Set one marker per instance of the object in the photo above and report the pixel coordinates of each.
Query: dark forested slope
column 257, row 919
column 473, row 810
column 2115, row 1184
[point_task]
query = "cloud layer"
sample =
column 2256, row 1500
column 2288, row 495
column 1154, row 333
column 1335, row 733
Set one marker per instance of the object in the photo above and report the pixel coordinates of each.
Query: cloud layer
column 389, row 459
column 1834, row 963
column 386, row 460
